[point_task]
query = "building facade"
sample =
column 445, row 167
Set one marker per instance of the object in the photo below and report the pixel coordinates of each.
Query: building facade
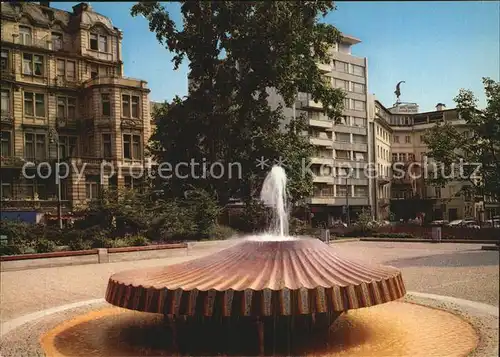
column 65, row 99
column 342, row 149
column 410, row 194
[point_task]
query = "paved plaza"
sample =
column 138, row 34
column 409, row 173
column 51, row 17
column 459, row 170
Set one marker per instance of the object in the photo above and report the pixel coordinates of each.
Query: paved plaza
column 458, row 270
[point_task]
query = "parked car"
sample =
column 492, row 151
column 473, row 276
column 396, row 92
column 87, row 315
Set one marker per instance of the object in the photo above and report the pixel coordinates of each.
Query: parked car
column 469, row 223
column 440, row 222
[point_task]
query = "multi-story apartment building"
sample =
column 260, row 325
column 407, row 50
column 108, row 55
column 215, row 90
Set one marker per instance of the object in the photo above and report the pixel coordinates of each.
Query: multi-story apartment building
column 63, row 92
column 342, row 149
column 410, row 193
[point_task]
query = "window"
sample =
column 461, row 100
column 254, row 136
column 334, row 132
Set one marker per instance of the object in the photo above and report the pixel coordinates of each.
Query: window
column 343, row 138
column 68, row 146
column 5, row 148
column 358, row 87
column 358, row 70
column 103, row 43
column 407, row 139
column 6, row 190
column 359, row 105
column 34, row 104
column 360, row 191
column 70, row 70
column 126, row 106
column 359, row 139
column 342, row 190
column 25, row 35
column 94, row 71
column 32, row 64
column 396, row 138
column 66, row 69
column 342, row 155
column 94, row 42
column 341, row 66
column 411, row 157
column 106, row 104
column 132, row 147
column 5, row 60
column 5, row 102
column 92, row 187
column 394, row 157
column 437, row 190
column 98, row 42
column 346, row 103
column 57, row 41
column 135, row 106
column 130, row 106
column 106, row 145
column 35, row 146
column 132, row 183
column 340, row 83
column 422, row 139
column 360, row 122
column 66, row 108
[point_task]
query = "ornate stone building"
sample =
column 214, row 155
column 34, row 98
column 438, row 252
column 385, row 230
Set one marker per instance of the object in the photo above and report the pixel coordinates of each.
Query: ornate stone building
column 63, row 90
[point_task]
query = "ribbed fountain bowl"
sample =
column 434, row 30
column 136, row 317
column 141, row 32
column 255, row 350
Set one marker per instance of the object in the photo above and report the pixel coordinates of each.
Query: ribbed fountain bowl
column 257, row 277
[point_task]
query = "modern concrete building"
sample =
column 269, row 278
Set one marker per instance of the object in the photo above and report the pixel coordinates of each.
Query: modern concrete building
column 343, row 150
column 64, row 92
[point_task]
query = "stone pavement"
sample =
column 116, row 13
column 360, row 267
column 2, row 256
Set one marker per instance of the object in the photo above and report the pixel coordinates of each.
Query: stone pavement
column 459, row 270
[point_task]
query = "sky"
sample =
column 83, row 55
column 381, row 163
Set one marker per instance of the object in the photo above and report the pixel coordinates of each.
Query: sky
column 436, row 47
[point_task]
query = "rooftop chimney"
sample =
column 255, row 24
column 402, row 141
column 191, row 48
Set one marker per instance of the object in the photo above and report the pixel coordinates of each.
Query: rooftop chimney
column 440, row 106
column 45, row 3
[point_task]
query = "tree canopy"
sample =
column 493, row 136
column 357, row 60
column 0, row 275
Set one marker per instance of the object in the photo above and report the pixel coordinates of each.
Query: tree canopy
column 476, row 155
column 238, row 52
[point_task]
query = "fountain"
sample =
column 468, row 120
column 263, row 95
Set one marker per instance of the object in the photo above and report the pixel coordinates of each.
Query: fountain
column 286, row 286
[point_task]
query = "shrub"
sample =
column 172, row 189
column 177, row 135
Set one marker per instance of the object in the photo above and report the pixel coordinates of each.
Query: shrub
column 44, row 246
column 11, row 249
column 220, row 232
column 80, row 244
column 393, row 235
column 298, row 227
column 137, row 240
column 119, row 243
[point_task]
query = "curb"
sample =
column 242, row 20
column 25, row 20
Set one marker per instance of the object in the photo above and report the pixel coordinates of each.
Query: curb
column 422, row 240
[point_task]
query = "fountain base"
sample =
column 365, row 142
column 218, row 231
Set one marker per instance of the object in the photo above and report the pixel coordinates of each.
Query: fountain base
column 392, row 329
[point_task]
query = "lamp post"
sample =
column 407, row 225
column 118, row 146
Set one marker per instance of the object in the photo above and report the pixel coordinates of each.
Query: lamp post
column 348, row 217
column 54, row 138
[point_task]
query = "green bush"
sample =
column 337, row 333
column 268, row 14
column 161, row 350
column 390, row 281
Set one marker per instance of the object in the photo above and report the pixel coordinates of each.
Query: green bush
column 298, row 227
column 45, row 246
column 137, row 241
column 220, row 232
column 119, row 243
column 11, row 249
column 392, row 235
column 80, row 244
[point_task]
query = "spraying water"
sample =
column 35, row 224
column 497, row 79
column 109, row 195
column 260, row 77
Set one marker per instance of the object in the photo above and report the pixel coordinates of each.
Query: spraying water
column 273, row 194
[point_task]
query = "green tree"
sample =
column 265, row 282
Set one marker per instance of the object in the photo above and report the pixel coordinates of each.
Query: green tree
column 476, row 157
column 237, row 51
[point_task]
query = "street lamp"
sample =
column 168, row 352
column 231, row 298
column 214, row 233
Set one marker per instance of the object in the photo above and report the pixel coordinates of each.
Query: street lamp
column 348, row 217
column 54, row 138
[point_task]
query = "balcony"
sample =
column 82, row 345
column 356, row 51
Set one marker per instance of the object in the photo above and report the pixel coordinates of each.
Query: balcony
column 62, row 82
column 8, row 74
column 322, row 160
column 324, row 124
column 328, row 179
column 29, row 41
column 331, row 200
column 311, row 104
column 324, row 67
column 11, row 162
column 325, row 142
column 89, row 160
column 361, row 147
column 6, row 117
column 19, row 204
column 66, row 123
column 116, row 81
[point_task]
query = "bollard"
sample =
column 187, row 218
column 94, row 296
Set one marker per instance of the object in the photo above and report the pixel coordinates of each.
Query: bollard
column 325, row 235
column 102, row 255
column 436, row 234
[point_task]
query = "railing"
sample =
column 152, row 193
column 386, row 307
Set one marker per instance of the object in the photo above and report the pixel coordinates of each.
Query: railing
column 30, row 41
column 64, row 122
column 19, row 203
column 92, row 160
